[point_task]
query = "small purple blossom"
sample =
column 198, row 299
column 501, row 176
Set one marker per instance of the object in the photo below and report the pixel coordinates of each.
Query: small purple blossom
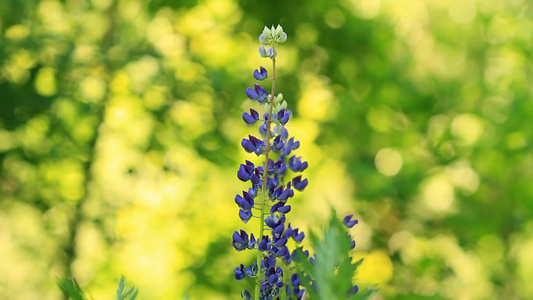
column 257, row 93
column 260, row 74
column 298, row 183
column 296, row 164
column 283, row 116
column 240, row 240
column 349, row 222
column 250, row 118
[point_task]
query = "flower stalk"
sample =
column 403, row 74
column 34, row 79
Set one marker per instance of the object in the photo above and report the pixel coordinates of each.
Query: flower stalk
column 273, row 268
column 265, row 177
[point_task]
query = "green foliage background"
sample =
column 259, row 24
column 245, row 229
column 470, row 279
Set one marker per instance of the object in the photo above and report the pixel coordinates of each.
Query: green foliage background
column 120, row 129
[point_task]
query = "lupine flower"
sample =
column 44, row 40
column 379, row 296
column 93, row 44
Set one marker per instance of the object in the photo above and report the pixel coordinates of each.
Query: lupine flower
column 268, row 180
column 298, row 183
column 240, row 240
column 260, row 74
column 349, row 222
column 250, row 118
column 296, row 164
column 283, row 116
column 245, row 295
column 257, row 93
column 354, row 290
column 240, row 273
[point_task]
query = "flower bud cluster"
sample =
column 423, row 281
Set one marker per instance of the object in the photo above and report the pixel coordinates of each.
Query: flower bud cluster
column 271, row 37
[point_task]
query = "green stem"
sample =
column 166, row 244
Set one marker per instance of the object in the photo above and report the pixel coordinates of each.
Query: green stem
column 265, row 177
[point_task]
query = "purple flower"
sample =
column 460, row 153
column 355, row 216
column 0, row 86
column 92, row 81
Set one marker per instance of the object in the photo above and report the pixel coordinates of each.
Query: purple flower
column 265, row 243
column 298, row 183
column 240, row 272
column 248, row 145
column 257, row 93
column 283, row 116
column 267, row 53
column 277, row 144
column 253, row 144
column 296, row 164
column 349, row 222
column 246, row 171
column 353, row 290
column 250, row 118
column 278, row 230
column 240, row 240
column 280, row 242
column 245, row 215
column 281, row 208
column 245, row 203
column 262, row 51
column 260, row 74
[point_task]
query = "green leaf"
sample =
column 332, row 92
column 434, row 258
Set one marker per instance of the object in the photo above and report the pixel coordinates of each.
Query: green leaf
column 331, row 275
column 71, row 288
column 126, row 294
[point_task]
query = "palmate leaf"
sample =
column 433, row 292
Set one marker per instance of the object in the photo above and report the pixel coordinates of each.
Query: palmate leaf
column 331, row 275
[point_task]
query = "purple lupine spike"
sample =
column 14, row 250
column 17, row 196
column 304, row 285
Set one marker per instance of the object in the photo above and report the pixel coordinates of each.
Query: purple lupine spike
column 260, row 74
column 349, row 222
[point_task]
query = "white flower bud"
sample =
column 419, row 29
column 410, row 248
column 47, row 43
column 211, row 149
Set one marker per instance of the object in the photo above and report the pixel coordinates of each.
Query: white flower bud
column 282, row 38
column 278, row 31
column 267, row 33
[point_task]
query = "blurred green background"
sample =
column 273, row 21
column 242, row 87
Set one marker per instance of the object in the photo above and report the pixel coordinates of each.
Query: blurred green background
column 120, row 129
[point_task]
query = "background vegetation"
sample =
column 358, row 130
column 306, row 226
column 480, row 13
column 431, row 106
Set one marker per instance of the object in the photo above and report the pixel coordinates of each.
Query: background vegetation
column 120, row 129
